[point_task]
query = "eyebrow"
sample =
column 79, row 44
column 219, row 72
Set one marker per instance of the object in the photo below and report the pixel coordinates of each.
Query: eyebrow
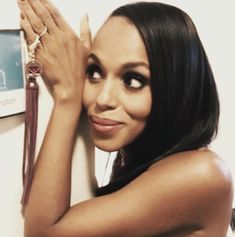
column 125, row 66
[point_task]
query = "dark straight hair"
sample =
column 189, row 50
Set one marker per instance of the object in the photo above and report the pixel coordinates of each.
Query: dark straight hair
column 185, row 104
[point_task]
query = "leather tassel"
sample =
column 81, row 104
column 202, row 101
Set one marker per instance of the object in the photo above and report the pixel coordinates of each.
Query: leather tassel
column 30, row 134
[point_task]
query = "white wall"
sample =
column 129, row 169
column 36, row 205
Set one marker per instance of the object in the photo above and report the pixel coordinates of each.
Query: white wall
column 215, row 23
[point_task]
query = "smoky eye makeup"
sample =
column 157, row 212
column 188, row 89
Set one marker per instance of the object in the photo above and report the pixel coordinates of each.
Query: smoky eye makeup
column 94, row 71
column 131, row 78
column 134, row 80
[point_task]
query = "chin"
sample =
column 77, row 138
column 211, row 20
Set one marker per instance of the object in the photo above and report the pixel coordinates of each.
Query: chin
column 107, row 146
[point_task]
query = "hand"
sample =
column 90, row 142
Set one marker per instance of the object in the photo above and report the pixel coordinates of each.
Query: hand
column 62, row 54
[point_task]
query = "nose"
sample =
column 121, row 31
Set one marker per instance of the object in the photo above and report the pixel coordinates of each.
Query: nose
column 107, row 95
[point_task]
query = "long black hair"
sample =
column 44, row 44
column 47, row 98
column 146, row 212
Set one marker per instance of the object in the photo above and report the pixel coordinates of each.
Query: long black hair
column 185, row 104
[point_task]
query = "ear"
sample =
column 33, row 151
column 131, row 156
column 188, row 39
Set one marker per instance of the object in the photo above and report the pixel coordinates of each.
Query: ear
column 85, row 32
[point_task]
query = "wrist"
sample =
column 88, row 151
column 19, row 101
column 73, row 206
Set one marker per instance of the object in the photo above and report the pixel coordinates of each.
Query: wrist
column 67, row 97
column 69, row 105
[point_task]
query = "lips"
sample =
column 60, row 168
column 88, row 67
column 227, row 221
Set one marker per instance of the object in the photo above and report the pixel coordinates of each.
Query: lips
column 105, row 125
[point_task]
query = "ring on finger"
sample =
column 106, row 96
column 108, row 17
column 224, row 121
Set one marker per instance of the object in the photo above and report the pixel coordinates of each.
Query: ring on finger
column 44, row 31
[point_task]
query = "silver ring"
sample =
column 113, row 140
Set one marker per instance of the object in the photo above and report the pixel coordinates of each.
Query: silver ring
column 43, row 32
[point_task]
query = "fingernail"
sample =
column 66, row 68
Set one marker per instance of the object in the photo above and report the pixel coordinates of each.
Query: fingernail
column 85, row 18
column 22, row 16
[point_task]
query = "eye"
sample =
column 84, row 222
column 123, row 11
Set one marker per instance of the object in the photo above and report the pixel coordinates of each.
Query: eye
column 93, row 72
column 133, row 80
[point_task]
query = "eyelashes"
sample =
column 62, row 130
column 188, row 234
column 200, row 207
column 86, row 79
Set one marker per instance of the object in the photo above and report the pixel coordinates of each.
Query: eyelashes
column 93, row 71
column 131, row 80
column 134, row 80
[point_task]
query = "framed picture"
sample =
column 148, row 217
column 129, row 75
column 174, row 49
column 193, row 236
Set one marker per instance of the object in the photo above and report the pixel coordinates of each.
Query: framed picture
column 12, row 72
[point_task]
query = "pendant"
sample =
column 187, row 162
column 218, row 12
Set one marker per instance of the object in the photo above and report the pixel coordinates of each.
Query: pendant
column 33, row 68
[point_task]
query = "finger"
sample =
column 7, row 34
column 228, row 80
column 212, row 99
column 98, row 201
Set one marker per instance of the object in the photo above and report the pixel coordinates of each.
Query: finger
column 29, row 13
column 43, row 14
column 30, row 35
column 85, row 32
column 56, row 15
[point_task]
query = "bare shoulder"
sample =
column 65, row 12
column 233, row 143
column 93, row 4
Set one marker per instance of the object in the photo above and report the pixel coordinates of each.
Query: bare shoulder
column 204, row 163
column 200, row 168
column 203, row 182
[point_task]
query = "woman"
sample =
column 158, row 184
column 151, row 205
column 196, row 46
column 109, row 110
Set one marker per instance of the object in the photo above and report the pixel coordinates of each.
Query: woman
column 150, row 94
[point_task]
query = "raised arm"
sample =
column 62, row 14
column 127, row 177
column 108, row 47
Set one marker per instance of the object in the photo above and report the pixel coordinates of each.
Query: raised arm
column 63, row 57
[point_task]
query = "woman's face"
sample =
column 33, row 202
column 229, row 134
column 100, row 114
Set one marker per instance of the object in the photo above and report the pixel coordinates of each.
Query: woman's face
column 117, row 92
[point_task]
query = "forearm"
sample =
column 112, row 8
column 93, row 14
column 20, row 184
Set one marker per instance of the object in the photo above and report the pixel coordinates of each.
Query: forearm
column 50, row 192
column 64, row 60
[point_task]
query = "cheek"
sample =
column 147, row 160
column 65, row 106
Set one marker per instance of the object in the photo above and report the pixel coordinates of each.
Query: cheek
column 138, row 109
column 139, row 106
